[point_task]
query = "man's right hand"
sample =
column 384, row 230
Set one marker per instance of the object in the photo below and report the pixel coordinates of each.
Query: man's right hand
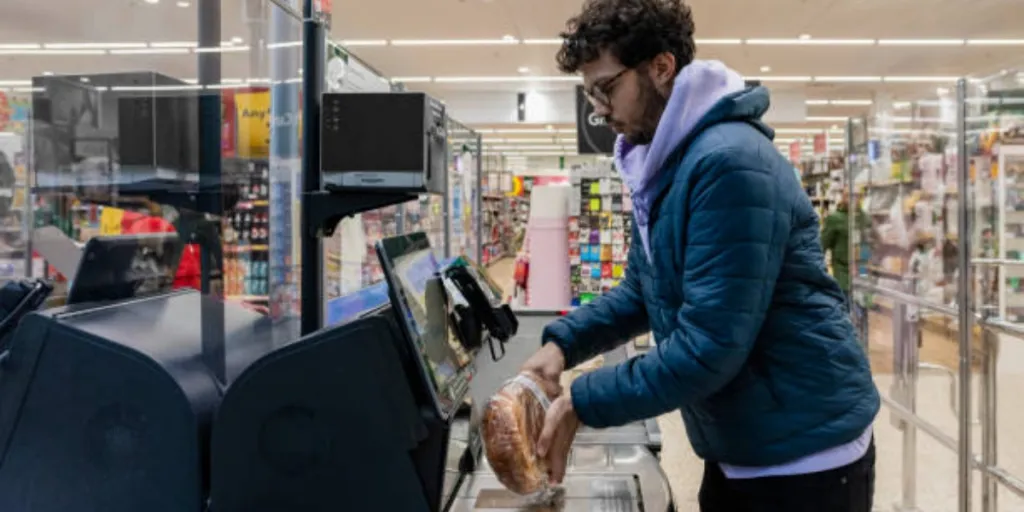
column 548, row 363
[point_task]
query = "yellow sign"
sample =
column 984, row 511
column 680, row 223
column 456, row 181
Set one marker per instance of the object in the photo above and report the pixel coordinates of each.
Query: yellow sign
column 110, row 220
column 252, row 110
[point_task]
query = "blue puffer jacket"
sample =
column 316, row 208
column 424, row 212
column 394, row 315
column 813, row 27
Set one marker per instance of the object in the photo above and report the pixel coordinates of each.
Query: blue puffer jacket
column 754, row 342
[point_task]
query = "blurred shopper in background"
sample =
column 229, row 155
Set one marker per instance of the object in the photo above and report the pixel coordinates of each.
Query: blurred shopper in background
column 835, row 239
column 754, row 342
column 150, row 220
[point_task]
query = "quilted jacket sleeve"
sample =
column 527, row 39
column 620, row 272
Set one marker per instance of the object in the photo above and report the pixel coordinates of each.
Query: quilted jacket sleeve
column 738, row 222
column 611, row 319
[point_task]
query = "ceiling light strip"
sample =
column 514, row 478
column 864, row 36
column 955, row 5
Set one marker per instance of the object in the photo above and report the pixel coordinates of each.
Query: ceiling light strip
column 779, row 78
column 847, row 79
column 352, row 43
column 92, row 46
column 717, row 42
column 173, row 44
column 510, row 40
column 20, row 46
column 151, row 51
column 52, row 52
column 995, row 42
column 920, row 79
column 284, row 44
column 453, row 42
column 504, row 79
column 826, row 119
column 922, row 42
column 810, row 42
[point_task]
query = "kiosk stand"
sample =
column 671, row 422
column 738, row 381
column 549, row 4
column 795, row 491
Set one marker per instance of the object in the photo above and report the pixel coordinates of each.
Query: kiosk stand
column 121, row 406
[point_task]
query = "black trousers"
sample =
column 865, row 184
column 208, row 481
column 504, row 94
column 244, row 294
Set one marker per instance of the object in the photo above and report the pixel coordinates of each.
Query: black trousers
column 846, row 489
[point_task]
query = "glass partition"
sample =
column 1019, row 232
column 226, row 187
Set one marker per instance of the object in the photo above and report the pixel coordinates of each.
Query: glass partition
column 185, row 120
column 994, row 126
column 936, row 245
column 905, row 239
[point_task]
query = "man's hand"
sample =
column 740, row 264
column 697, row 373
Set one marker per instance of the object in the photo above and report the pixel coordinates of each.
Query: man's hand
column 548, row 363
column 560, row 425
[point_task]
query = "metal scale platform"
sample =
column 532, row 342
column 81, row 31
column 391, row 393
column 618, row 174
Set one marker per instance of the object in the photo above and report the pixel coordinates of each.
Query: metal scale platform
column 613, row 470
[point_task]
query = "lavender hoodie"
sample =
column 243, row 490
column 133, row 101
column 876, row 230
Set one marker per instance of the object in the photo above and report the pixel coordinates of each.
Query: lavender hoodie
column 697, row 88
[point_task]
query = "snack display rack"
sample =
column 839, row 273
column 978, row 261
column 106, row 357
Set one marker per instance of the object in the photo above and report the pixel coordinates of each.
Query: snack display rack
column 600, row 227
column 822, row 178
column 496, row 227
column 247, row 235
column 905, row 183
column 15, row 262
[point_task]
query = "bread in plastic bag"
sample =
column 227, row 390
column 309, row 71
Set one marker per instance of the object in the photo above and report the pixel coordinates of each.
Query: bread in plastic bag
column 512, row 422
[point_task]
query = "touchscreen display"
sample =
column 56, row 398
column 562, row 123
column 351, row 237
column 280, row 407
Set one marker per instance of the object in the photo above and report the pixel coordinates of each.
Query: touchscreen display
column 422, row 304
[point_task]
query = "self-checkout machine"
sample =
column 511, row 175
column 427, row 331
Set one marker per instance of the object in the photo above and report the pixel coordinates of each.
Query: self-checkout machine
column 369, row 414
column 106, row 403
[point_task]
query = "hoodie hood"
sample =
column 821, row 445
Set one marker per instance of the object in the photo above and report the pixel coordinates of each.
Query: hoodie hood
column 696, row 102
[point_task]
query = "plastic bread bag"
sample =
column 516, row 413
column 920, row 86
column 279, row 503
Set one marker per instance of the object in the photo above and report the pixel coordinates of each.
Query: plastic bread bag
column 512, row 424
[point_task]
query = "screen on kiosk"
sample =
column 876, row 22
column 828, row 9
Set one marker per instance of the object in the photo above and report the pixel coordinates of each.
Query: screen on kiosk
column 438, row 345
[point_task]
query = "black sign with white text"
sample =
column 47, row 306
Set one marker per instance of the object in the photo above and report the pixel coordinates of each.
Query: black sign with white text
column 593, row 136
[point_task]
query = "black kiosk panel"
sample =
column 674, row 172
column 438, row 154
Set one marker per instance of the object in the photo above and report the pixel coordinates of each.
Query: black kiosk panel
column 348, row 418
column 108, row 409
column 325, row 424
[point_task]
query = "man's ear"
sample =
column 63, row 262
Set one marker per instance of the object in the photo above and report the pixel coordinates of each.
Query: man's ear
column 663, row 69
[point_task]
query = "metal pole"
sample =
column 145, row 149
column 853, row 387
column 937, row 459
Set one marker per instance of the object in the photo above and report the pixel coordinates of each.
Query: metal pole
column 313, row 43
column 992, row 275
column 478, row 192
column 446, row 209
column 211, row 312
column 965, row 312
column 904, row 391
column 989, row 439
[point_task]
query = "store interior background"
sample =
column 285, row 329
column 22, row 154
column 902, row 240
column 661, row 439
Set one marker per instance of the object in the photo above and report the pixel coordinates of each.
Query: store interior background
column 892, row 66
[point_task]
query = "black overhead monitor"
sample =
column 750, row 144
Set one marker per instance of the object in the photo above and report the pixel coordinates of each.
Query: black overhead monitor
column 410, row 268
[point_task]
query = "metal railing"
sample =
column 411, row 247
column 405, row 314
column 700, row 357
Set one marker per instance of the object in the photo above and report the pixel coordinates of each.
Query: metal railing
column 908, row 415
column 902, row 401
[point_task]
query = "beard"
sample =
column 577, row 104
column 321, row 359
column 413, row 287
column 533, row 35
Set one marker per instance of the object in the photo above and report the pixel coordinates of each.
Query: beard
column 652, row 105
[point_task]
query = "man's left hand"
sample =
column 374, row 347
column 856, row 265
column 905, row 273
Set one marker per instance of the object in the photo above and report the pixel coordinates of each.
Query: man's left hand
column 560, row 425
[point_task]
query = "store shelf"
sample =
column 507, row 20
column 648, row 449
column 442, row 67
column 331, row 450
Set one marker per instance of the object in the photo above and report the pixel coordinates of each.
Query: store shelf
column 600, row 226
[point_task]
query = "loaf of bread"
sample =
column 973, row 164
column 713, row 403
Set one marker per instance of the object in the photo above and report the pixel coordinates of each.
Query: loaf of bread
column 512, row 423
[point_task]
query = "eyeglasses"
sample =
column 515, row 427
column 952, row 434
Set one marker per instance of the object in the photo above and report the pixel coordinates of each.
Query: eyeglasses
column 600, row 93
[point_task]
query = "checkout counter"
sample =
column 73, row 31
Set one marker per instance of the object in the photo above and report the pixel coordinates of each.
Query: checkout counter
column 116, row 407
column 615, row 469
column 127, row 400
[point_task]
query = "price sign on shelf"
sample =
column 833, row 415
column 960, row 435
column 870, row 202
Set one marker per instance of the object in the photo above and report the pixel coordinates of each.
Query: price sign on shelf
column 110, row 221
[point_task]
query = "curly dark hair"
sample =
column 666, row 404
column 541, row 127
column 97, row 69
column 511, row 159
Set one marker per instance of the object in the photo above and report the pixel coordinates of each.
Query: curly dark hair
column 633, row 31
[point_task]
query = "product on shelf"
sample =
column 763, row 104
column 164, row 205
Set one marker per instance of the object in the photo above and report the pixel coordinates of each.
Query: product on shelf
column 498, row 228
column 247, row 235
column 600, row 227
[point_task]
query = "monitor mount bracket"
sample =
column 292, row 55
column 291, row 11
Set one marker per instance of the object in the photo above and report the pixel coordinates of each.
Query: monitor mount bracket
column 328, row 207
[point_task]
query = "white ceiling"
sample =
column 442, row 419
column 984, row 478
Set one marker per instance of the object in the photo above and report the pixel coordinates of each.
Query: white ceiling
column 378, row 28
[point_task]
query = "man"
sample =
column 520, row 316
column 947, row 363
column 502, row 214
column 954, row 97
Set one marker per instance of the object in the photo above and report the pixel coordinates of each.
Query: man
column 188, row 273
column 754, row 344
column 835, row 237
